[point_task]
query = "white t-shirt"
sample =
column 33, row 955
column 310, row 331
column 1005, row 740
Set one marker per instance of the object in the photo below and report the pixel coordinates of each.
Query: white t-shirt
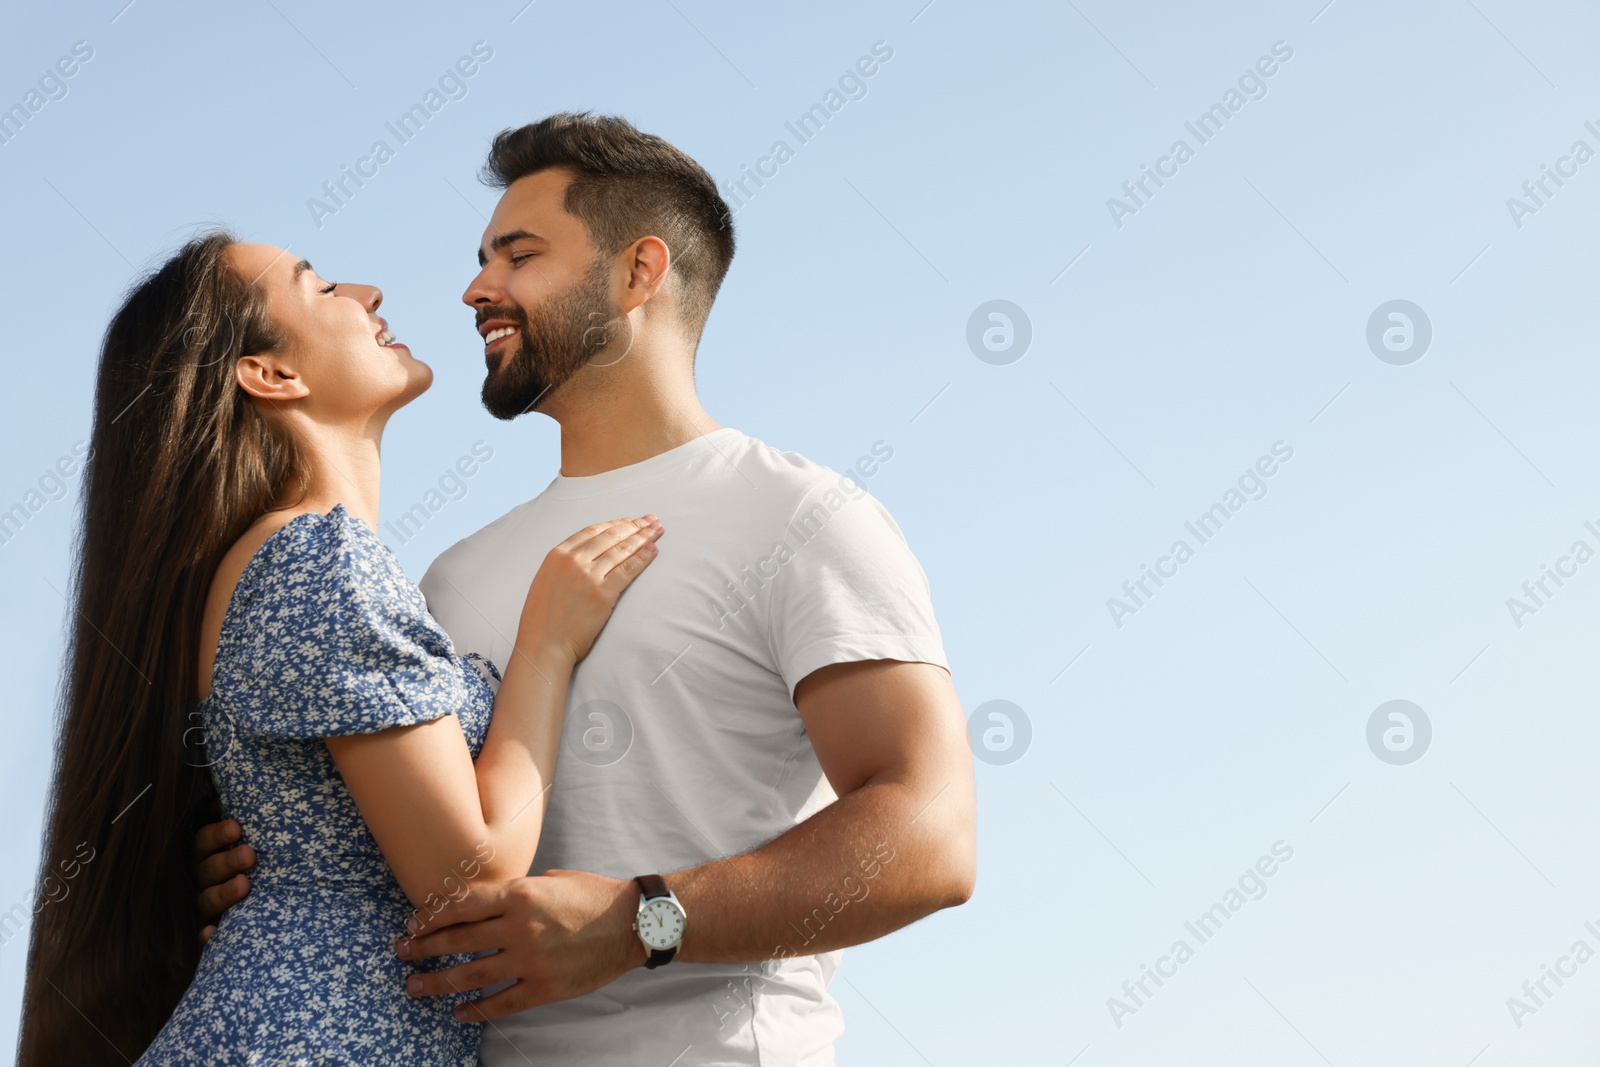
column 682, row 743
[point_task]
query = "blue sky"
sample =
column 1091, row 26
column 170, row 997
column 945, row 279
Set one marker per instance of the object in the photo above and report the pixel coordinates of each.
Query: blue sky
column 1174, row 340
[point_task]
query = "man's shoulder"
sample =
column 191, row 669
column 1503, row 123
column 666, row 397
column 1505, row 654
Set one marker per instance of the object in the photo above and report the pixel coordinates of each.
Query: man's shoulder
column 792, row 478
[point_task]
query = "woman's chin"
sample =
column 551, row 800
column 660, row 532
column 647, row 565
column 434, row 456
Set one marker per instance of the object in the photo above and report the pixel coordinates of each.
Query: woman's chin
column 415, row 386
column 421, row 379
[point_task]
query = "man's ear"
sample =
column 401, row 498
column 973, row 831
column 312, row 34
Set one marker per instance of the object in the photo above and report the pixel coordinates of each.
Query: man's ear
column 266, row 377
column 648, row 263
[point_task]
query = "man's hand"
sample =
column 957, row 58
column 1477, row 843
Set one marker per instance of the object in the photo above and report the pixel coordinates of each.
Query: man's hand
column 560, row 935
column 221, row 866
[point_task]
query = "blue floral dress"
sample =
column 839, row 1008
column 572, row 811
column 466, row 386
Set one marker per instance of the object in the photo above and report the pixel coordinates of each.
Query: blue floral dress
column 324, row 636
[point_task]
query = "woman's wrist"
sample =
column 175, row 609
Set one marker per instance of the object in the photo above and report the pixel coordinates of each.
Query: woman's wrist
column 550, row 659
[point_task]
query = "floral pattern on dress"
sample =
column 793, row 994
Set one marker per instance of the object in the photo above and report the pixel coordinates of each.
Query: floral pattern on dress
column 324, row 636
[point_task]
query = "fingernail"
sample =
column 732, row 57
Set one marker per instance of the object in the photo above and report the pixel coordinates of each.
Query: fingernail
column 230, row 831
column 650, row 517
column 402, row 948
column 413, row 985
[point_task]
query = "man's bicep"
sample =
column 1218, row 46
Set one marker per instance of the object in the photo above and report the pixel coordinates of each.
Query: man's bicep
column 852, row 591
column 882, row 720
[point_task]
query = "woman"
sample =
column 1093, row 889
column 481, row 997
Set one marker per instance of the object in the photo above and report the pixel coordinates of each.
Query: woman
column 229, row 581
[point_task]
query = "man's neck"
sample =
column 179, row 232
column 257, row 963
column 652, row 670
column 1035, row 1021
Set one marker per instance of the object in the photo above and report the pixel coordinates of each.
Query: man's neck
column 600, row 434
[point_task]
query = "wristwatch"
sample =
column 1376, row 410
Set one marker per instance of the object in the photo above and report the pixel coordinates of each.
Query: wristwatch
column 661, row 921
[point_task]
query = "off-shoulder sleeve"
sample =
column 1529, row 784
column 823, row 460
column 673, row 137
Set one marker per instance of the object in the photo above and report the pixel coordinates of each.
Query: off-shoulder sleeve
column 333, row 639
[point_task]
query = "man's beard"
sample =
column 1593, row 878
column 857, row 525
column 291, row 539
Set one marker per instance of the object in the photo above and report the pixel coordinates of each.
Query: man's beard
column 558, row 340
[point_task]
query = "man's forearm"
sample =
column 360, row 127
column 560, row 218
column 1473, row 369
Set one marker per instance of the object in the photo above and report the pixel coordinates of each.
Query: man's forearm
column 898, row 844
column 879, row 858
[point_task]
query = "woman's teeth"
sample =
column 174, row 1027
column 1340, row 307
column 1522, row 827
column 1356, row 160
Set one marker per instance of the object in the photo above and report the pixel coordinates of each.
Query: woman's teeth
column 494, row 335
column 386, row 338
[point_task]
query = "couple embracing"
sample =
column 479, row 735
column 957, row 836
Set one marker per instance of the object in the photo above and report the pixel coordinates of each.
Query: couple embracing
column 418, row 860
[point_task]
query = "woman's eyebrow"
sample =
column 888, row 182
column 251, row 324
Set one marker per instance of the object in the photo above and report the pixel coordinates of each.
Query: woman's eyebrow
column 299, row 269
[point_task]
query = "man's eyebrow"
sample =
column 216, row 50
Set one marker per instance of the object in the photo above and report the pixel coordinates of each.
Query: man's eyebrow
column 299, row 269
column 502, row 239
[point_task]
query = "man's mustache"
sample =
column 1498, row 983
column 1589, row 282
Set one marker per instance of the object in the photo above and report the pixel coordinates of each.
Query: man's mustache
column 508, row 312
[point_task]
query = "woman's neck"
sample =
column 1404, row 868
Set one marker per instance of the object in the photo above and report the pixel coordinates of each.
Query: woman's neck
column 341, row 468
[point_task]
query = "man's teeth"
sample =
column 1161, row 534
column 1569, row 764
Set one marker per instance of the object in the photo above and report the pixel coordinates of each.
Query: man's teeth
column 494, row 335
column 386, row 338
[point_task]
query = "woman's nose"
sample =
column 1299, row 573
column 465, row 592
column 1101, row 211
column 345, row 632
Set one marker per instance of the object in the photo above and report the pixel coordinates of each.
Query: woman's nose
column 369, row 295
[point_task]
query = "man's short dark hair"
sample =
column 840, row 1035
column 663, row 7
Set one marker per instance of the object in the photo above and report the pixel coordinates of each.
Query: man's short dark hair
column 627, row 185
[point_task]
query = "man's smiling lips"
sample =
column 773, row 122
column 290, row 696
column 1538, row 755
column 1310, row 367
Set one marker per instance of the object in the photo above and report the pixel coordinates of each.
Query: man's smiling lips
column 494, row 332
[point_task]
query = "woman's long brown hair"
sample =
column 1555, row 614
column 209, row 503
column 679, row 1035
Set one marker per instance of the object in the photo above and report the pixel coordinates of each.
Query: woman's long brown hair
column 180, row 465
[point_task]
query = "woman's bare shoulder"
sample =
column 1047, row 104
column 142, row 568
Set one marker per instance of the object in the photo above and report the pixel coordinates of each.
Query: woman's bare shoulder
column 226, row 579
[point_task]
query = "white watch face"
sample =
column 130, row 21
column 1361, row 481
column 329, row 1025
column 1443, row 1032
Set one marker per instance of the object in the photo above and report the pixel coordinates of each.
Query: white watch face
column 660, row 923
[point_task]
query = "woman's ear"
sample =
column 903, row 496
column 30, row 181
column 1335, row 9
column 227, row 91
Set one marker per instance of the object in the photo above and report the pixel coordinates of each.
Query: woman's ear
column 266, row 377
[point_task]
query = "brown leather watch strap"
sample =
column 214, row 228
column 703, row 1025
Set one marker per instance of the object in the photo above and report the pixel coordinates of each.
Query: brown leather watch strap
column 654, row 887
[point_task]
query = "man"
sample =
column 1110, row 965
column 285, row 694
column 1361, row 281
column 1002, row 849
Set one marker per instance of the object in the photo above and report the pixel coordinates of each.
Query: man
column 764, row 760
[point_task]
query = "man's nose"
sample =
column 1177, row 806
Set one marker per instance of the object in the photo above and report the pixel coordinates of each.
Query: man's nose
column 481, row 291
